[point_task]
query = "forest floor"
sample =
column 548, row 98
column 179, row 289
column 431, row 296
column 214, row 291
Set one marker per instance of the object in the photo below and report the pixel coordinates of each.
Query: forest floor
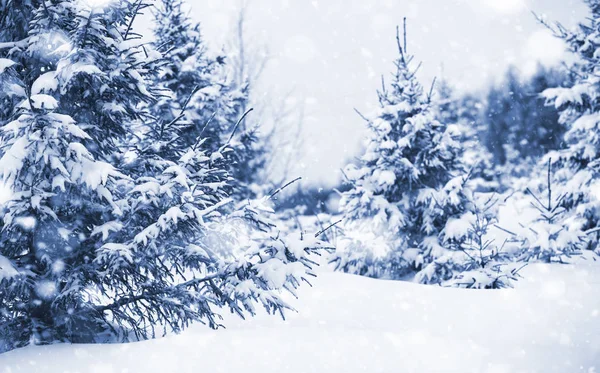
column 550, row 322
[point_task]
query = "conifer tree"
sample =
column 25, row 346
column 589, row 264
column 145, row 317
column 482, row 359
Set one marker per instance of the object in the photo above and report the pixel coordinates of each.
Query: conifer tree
column 521, row 129
column 78, row 94
column 407, row 186
column 551, row 237
column 214, row 101
column 253, row 145
column 106, row 234
column 191, row 77
column 462, row 114
column 579, row 163
column 473, row 258
column 504, row 110
column 14, row 26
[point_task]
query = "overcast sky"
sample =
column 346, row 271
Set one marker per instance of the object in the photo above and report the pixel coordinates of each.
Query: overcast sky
column 332, row 53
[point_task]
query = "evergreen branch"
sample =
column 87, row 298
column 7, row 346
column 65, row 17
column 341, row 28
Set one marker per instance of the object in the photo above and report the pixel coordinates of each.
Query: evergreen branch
column 199, row 138
column 505, row 230
column 398, row 43
column 152, row 294
column 559, row 201
column 549, row 184
column 430, row 94
column 558, row 29
column 181, row 112
column 593, row 230
column 361, row 115
column 466, row 253
column 236, row 127
column 283, row 187
column 527, row 190
column 327, row 228
column 347, row 178
column 47, row 11
column 541, row 210
column 414, row 73
column 135, row 13
column 405, row 44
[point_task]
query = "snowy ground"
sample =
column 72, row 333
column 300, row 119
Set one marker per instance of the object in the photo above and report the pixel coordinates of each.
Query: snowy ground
column 549, row 323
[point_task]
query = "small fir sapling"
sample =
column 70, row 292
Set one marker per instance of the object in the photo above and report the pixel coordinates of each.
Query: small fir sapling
column 474, row 260
column 552, row 237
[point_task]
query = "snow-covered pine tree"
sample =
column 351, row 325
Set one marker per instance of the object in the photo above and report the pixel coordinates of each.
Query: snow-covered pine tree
column 552, row 237
column 473, row 258
column 462, row 115
column 252, row 145
column 250, row 168
column 191, row 77
column 186, row 253
column 520, row 127
column 214, row 101
column 550, row 132
column 578, row 165
column 13, row 26
column 90, row 251
column 446, row 103
column 407, row 186
column 78, row 90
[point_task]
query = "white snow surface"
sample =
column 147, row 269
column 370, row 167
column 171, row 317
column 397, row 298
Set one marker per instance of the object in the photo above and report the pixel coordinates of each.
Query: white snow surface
column 549, row 323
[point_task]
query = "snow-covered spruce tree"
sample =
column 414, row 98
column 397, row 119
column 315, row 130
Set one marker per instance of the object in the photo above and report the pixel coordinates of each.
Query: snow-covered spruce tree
column 462, row 115
column 188, row 254
column 472, row 258
column 552, row 237
column 13, row 27
column 254, row 146
column 191, row 77
column 214, row 102
column 579, row 163
column 506, row 111
column 520, row 127
column 76, row 93
column 407, row 186
column 250, row 163
column 89, row 251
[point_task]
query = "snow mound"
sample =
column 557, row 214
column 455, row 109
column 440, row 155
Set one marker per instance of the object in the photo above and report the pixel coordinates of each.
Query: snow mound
column 549, row 323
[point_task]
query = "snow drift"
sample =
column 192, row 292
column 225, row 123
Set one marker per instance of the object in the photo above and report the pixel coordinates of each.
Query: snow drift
column 549, row 323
